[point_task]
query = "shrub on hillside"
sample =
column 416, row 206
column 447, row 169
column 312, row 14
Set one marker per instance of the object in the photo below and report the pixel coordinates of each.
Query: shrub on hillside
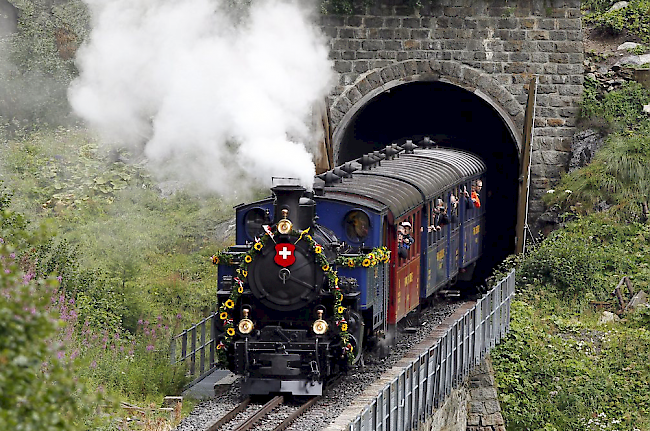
column 588, row 257
column 618, row 111
column 556, row 372
column 39, row 387
column 617, row 179
column 634, row 19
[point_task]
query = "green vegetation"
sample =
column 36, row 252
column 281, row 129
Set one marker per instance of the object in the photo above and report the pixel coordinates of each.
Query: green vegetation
column 618, row 176
column 560, row 368
column 633, row 20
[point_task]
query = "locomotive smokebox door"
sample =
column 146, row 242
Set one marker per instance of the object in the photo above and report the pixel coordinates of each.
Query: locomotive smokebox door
column 285, row 277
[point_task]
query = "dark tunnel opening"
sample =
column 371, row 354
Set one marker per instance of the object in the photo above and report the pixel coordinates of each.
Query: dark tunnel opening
column 453, row 117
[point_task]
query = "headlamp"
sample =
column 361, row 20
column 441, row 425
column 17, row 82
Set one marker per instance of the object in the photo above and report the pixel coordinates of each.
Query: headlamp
column 245, row 325
column 320, row 326
column 284, row 226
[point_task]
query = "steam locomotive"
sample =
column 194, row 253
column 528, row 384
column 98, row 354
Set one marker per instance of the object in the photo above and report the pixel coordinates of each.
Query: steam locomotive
column 315, row 276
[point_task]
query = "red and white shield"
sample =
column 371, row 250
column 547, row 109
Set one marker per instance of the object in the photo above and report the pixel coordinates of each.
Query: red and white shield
column 285, row 254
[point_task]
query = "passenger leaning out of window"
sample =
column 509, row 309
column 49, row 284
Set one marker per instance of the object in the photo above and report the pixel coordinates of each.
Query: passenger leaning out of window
column 404, row 239
column 440, row 218
column 474, row 197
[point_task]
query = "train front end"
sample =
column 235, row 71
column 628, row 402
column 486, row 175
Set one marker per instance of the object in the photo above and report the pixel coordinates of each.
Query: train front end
column 287, row 322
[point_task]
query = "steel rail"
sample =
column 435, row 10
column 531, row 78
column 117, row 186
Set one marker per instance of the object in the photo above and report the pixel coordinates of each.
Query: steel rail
column 230, row 415
column 266, row 409
column 293, row 416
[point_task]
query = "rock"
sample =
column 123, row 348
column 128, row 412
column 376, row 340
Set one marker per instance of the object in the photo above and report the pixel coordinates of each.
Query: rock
column 640, row 298
column 646, row 109
column 583, row 147
column 225, row 231
column 627, row 45
column 608, row 317
column 635, row 60
column 618, row 5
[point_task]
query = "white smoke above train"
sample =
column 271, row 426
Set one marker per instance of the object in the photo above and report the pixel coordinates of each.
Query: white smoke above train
column 216, row 94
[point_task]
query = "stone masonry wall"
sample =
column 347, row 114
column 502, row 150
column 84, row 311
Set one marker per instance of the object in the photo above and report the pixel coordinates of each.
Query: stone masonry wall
column 494, row 47
column 483, row 408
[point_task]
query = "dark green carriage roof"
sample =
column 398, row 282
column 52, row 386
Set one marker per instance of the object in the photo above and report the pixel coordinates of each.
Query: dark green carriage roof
column 405, row 182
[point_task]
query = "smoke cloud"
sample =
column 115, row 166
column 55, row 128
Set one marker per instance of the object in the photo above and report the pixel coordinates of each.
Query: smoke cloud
column 212, row 94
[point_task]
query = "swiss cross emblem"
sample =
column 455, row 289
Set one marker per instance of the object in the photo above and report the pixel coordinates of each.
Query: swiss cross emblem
column 285, row 254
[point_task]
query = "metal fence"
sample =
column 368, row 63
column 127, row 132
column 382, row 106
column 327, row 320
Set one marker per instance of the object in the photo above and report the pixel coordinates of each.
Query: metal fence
column 422, row 386
column 196, row 346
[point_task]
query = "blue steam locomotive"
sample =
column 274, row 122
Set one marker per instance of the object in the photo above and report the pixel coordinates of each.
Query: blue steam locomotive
column 315, row 276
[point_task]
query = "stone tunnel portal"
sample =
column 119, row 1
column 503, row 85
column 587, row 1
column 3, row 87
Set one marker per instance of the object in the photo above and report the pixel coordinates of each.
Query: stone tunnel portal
column 453, row 117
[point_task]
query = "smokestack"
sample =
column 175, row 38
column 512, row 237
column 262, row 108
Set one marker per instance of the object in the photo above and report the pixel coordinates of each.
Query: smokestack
column 287, row 197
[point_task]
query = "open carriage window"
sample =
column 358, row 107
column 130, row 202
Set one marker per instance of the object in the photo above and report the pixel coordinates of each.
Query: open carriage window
column 406, row 247
column 453, row 207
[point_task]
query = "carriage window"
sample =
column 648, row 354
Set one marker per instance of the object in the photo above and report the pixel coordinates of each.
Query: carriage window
column 406, row 246
column 357, row 225
column 441, row 218
column 473, row 198
column 453, row 207
column 431, row 231
column 254, row 220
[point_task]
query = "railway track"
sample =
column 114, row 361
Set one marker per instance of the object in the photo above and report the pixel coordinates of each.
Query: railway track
column 233, row 419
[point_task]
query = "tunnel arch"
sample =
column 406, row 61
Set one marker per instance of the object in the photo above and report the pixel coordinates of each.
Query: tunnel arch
column 456, row 106
column 372, row 84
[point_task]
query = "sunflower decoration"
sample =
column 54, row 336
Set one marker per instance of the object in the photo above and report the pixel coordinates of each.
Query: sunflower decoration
column 258, row 246
column 222, row 257
column 374, row 257
column 231, row 332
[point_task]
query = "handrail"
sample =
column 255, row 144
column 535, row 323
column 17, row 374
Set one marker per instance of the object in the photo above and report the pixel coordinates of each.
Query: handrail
column 423, row 385
column 202, row 346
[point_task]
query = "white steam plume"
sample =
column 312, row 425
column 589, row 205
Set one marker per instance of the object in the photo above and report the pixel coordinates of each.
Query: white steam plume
column 215, row 97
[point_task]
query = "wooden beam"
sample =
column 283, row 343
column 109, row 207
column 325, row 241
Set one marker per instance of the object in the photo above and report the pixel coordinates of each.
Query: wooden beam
column 524, row 172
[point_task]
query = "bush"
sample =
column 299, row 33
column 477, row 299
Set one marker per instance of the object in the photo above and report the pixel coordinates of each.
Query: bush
column 40, row 389
column 632, row 20
column 618, row 111
column 584, row 258
column 617, row 179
